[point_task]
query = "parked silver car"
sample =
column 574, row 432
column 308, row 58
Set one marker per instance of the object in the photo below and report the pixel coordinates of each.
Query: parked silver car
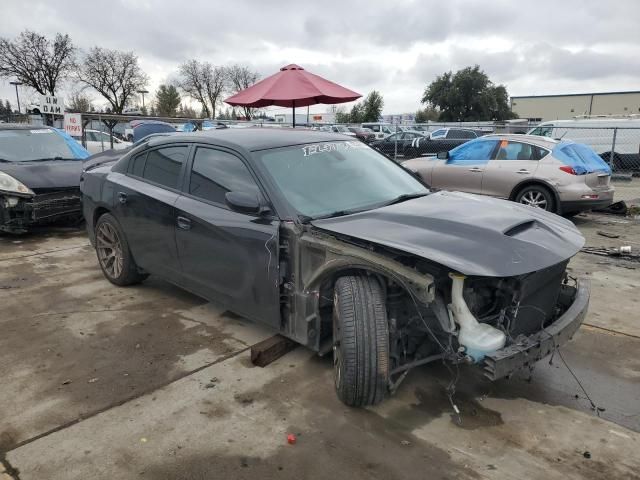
column 559, row 176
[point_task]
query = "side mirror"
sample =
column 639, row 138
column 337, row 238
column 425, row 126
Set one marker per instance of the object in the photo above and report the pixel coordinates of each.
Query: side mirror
column 443, row 155
column 242, row 202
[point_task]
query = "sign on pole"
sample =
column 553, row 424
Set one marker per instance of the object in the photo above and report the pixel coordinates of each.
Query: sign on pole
column 73, row 124
column 51, row 105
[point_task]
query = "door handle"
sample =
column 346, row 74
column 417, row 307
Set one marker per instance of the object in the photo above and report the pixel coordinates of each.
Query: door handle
column 523, row 171
column 184, row 223
column 122, row 197
column 475, row 170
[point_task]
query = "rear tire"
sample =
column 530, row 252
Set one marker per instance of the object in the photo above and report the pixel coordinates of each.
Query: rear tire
column 113, row 253
column 537, row 196
column 360, row 341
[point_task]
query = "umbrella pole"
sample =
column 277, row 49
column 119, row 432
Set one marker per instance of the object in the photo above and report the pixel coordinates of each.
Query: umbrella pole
column 294, row 114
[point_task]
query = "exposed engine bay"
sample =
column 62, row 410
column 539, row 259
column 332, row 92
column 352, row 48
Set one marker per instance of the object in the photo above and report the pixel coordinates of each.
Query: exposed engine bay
column 435, row 313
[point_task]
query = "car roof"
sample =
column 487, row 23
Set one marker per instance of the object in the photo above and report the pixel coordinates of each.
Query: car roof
column 545, row 142
column 256, row 138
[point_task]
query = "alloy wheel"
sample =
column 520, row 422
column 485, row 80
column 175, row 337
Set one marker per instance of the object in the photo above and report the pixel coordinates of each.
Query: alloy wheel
column 109, row 248
column 534, row 198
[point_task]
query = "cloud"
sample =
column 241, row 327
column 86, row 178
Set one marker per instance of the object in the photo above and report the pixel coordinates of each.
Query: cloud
column 394, row 47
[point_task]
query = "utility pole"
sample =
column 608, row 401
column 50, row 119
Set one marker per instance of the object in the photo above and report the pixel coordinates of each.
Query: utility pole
column 142, row 92
column 17, row 96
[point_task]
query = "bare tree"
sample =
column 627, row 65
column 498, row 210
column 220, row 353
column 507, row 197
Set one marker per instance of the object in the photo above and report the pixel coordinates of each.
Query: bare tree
column 37, row 61
column 203, row 82
column 240, row 77
column 79, row 103
column 114, row 74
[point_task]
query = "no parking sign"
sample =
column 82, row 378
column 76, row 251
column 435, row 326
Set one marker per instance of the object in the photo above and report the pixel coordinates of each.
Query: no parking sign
column 73, row 124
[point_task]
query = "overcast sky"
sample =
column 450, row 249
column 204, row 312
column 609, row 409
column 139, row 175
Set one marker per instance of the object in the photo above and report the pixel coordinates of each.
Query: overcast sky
column 397, row 48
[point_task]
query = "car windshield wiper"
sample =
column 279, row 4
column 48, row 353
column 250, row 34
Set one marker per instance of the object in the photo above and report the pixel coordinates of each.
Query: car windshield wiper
column 404, row 197
column 47, row 159
column 337, row 213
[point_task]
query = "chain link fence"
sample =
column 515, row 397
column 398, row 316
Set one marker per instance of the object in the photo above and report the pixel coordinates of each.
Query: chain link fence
column 619, row 146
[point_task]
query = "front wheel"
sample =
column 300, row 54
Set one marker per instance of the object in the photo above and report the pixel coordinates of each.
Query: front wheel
column 114, row 256
column 536, row 196
column 360, row 341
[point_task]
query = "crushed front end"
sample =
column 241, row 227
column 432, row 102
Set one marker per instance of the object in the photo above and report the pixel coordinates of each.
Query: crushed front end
column 18, row 213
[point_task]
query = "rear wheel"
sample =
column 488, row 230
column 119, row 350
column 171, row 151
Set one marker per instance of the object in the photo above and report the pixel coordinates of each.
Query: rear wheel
column 537, row 196
column 114, row 256
column 360, row 341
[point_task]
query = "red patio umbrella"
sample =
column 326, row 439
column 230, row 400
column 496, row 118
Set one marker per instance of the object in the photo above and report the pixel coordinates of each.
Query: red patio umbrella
column 292, row 87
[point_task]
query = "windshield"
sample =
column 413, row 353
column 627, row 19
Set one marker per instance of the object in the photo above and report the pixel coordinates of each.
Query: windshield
column 36, row 144
column 322, row 179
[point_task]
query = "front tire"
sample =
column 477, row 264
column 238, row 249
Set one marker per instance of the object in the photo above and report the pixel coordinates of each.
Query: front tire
column 113, row 252
column 537, row 196
column 360, row 341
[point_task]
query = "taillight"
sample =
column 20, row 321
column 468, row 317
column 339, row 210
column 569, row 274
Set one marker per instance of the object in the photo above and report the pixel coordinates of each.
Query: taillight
column 568, row 170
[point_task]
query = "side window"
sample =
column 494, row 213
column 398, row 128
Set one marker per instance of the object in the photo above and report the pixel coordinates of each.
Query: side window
column 163, row 165
column 519, row 151
column 473, row 152
column 454, row 134
column 542, row 131
column 92, row 137
column 438, row 133
column 136, row 166
column 467, row 134
column 214, row 173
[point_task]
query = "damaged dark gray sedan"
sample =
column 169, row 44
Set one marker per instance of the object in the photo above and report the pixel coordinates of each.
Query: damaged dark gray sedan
column 331, row 244
column 40, row 171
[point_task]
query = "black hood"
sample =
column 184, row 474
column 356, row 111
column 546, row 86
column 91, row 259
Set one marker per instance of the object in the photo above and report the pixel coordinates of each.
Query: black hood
column 470, row 234
column 49, row 174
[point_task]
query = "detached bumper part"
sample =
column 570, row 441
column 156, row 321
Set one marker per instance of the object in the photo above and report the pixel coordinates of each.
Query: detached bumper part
column 512, row 358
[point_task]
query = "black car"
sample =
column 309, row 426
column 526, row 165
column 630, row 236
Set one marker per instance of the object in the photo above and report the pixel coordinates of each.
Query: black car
column 40, row 170
column 416, row 143
column 400, row 143
column 335, row 246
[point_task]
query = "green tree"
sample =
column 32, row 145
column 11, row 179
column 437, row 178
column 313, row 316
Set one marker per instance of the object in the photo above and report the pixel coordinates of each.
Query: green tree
column 427, row 114
column 372, row 107
column 167, row 100
column 357, row 114
column 467, row 95
column 342, row 116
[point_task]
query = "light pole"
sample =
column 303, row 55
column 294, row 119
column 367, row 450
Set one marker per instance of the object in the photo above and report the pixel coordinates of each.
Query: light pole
column 142, row 92
column 17, row 96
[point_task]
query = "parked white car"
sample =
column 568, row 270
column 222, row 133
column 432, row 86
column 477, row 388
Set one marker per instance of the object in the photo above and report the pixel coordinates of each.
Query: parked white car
column 98, row 141
column 598, row 134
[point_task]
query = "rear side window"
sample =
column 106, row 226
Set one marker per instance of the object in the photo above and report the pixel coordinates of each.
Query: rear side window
column 519, row 151
column 214, row 173
column 473, row 152
column 137, row 165
column 460, row 134
column 163, row 165
column 542, row 131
